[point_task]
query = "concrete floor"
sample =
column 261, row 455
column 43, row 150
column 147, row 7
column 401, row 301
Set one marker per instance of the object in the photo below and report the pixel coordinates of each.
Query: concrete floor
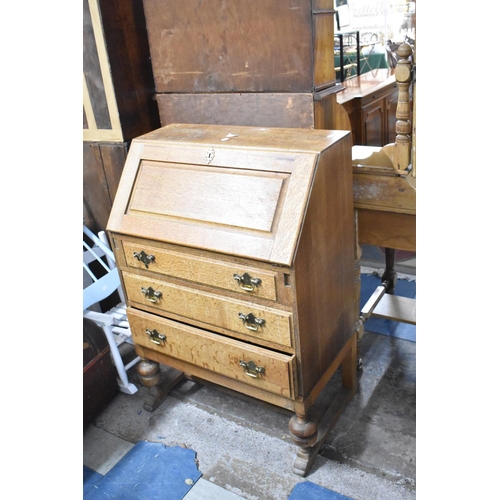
column 244, row 447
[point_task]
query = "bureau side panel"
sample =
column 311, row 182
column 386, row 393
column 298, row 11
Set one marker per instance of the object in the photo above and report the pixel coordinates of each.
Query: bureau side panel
column 324, row 266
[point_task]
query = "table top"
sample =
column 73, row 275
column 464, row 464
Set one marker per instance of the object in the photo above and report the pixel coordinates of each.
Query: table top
column 360, row 86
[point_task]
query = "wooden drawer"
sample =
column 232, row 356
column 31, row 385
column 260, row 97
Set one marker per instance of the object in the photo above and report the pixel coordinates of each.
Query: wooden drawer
column 211, row 309
column 215, row 353
column 201, row 270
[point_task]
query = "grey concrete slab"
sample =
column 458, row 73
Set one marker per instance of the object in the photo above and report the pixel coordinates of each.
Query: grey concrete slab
column 102, row 450
column 205, row 490
column 377, row 432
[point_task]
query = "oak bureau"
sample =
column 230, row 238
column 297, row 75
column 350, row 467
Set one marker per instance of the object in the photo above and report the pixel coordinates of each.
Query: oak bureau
column 236, row 250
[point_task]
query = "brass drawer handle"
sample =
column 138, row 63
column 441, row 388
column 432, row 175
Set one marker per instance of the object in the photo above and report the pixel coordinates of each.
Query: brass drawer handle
column 251, row 369
column 143, row 257
column 156, row 337
column 246, row 282
column 251, row 322
column 151, row 294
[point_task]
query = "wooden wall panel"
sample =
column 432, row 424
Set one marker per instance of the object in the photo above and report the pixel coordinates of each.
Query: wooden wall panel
column 102, row 168
column 251, row 109
column 118, row 98
column 127, row 45
column 101, row 120
column 117, row 75
column 324, row 112
column 221, row 46
column 324, row 58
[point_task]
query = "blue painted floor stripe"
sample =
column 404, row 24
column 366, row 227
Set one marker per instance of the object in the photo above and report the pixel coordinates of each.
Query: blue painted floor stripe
column 90, row 478
column 148, row 471
column 311, row 491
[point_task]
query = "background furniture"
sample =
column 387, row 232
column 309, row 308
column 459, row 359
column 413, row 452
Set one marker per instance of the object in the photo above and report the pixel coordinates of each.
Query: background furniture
column 99, row 373
column 101, row 281
column 370, row 101
column 256, row 63
column 385, row 178
column 117, row 99
column 236, row 249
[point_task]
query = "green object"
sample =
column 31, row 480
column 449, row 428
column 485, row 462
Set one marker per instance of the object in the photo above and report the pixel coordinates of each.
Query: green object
column 370, row 62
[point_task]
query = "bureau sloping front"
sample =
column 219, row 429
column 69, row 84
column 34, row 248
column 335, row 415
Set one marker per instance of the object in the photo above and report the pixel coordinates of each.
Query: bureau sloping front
column 216, row 188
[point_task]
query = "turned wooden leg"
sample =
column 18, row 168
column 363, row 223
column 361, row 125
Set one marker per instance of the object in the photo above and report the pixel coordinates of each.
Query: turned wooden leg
column 150, row 375
column 304, row 434
column 149, row 372
column 390, row 274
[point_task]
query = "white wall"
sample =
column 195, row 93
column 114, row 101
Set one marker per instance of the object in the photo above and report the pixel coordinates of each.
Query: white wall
column 382, row 17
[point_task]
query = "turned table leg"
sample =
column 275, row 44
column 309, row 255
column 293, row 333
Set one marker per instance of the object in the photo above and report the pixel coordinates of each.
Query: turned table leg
column 390, row 274
column 159, row 386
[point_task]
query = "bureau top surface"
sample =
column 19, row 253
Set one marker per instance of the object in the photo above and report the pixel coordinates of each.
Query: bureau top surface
column 240, row 191
column 230, row 136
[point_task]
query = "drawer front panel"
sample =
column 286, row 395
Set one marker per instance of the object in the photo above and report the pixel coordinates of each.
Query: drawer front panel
column 261, row 322
column 251, row 365
column 200, row 270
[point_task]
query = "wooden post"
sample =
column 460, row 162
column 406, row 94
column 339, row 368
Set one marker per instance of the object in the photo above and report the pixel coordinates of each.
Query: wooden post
column 402, row 152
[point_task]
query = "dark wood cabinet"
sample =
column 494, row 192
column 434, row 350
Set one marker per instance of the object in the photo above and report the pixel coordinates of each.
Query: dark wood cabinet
column 240, row 46
column 258, row 63
column 118, row 102
column 371, row 105
column 373, row 123
column 118, row 98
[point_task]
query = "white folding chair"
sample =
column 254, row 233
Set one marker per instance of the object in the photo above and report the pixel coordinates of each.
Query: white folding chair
column 101, row 280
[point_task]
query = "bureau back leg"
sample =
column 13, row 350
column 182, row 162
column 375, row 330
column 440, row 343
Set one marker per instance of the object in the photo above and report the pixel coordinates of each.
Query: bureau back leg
column 160, row 384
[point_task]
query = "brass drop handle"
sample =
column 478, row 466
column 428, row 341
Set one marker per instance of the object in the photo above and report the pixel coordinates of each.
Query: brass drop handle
column 251, row 369
column 151, row 294
column 155, row 336
column 143, row 257
column 246, row 282
column 251, row 322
